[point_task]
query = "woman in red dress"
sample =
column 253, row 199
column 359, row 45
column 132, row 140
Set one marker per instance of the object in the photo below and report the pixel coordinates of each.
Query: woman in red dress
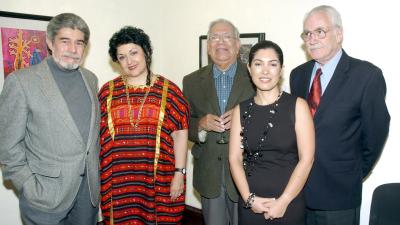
column 144, row 122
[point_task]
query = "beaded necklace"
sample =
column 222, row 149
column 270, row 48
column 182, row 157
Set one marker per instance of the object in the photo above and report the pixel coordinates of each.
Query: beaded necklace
column 250, row 156
column 136, row 123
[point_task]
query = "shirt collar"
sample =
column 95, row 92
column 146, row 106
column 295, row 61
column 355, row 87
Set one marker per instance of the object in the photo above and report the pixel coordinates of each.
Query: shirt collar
column 231, row 71
column 330, row 66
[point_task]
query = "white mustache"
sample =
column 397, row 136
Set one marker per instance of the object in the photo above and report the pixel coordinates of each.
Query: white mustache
column 312, row 47
column 71, row 55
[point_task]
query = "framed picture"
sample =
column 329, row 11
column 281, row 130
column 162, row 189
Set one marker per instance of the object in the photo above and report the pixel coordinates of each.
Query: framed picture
column 247, row 41
column 23, row 41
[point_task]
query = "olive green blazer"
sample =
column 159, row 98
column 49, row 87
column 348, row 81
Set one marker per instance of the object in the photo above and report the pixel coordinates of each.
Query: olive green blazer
column 210, row 157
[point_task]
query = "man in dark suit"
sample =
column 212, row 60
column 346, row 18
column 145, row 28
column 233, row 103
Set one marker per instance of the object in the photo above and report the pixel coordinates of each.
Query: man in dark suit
column 350, row 116
column 212, row 92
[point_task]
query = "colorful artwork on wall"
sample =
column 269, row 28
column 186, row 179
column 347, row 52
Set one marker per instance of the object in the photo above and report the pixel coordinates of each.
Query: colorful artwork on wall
column 22, row 41
column 22, row 48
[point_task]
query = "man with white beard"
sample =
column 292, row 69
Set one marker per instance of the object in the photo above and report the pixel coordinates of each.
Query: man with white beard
column 49, row 119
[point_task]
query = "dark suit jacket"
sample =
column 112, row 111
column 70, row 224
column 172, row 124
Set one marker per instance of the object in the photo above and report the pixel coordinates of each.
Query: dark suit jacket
column 210, row 157
column 351, row 125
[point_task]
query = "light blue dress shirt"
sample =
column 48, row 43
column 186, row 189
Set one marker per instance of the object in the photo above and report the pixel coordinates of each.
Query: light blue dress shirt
column 327, row 71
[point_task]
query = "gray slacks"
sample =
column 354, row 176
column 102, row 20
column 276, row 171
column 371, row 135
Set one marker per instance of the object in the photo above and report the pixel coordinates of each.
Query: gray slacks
column 81, row 211
column 221, row 210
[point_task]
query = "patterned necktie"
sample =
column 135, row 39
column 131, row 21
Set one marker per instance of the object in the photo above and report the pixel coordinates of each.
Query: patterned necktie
column 315, row 92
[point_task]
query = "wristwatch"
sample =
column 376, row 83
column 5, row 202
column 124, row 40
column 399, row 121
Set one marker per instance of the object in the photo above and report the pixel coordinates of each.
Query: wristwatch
column 181, row 170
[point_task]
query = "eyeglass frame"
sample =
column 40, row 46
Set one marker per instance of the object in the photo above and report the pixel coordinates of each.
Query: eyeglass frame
column 226, row 37
column 319, row 33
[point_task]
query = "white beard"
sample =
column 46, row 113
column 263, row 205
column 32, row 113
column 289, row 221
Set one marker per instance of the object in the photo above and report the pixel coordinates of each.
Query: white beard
column 65, row 65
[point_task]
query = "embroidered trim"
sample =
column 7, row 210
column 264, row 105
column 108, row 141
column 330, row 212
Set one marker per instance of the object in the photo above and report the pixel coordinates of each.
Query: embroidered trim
column 153, row 79
column 109, row 100
column 112, row 133
column 158, row 136
column 159, row 126
column 111, row 213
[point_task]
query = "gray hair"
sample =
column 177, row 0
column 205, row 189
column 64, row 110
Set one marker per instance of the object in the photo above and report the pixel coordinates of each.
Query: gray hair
column 213, row 23
column 332, row 13
column 67, row 20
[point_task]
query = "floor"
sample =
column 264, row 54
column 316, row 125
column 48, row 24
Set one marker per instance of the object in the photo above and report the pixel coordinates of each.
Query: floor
column 192, row 216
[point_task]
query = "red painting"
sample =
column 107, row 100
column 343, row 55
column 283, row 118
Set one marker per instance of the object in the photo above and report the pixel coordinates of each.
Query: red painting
column 22, row 48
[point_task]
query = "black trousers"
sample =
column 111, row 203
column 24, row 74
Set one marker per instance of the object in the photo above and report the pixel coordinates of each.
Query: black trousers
column 337, row 217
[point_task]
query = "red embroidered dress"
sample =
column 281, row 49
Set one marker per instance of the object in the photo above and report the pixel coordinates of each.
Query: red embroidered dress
column 131, row 193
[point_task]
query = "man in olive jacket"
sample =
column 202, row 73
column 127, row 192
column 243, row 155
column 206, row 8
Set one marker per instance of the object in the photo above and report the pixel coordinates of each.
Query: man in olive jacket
column 212, row 92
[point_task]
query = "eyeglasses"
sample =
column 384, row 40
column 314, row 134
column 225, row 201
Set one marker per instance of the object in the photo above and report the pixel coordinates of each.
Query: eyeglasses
column 223, row 37
column 318, row 33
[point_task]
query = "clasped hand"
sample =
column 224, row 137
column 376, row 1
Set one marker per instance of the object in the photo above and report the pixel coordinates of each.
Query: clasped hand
column 271, row 208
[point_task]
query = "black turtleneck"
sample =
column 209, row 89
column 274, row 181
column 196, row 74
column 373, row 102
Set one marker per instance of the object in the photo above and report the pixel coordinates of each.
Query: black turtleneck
column 74, row 91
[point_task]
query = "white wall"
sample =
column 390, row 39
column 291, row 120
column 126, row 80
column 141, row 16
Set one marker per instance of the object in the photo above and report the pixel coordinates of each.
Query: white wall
column 174, row 27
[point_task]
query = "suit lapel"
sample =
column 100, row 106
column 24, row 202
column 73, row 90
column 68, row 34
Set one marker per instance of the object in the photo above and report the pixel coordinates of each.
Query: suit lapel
column 336, row 82
column 208, row 85
column 50, row 89
column 94, row 110
column 236, row 90
column 304, row 85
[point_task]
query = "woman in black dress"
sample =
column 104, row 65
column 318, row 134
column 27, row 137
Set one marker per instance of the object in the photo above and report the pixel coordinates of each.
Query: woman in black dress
column 271, row 146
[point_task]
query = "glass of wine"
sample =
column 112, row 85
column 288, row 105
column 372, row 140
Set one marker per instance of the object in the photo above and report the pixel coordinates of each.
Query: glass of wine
column 222, row 137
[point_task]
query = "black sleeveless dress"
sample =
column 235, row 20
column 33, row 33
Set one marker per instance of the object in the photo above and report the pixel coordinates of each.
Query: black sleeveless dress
column 270, row 163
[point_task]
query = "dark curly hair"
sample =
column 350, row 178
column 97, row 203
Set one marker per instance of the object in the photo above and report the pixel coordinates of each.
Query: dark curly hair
column 265, row 45
column 134, row 35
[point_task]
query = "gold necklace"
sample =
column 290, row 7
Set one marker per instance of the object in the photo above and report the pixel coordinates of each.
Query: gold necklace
column 136, row 123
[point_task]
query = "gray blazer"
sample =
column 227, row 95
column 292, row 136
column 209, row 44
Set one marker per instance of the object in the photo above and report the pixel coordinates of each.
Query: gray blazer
column 41, row 150
column 210, row 157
